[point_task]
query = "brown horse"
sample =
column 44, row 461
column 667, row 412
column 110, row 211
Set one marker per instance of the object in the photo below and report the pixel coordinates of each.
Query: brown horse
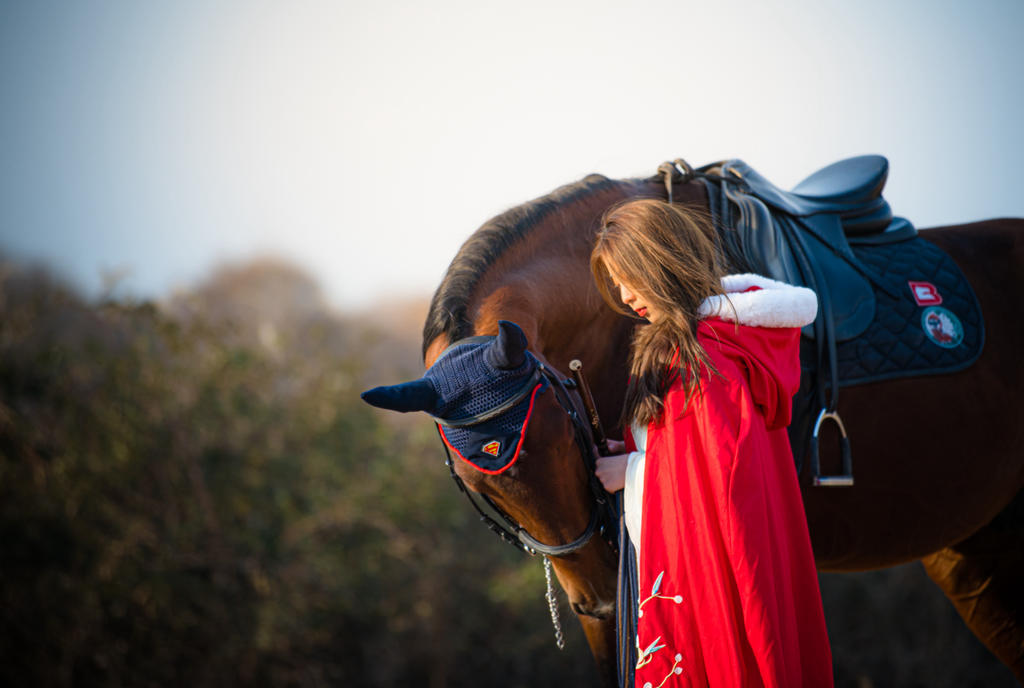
column 939, row 460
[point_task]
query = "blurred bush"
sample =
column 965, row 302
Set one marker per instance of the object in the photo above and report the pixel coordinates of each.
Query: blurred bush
column 192, row 493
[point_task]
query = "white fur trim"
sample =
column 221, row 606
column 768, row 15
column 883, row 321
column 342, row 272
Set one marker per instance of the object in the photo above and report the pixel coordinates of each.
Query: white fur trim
column 775, row 304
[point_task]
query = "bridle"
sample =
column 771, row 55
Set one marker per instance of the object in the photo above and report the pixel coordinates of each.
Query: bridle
column 602, row 517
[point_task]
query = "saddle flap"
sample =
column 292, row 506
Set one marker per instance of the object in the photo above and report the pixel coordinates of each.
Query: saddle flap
column 767, row 243
column 765, row 248
column 850, row 293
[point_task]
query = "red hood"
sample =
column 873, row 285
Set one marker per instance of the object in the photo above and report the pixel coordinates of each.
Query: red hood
column 756, row 326
column 769, row 358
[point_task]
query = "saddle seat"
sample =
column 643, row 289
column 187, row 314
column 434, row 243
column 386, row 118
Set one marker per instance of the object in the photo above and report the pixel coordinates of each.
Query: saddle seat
column 848, row 181
column 851, row 189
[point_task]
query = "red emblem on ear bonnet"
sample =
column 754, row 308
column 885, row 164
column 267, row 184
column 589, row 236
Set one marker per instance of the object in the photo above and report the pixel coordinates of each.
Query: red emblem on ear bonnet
column 492, row 448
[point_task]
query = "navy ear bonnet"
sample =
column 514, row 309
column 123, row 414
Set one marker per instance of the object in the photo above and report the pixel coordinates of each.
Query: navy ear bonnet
column 468, row 385
column 481, row 391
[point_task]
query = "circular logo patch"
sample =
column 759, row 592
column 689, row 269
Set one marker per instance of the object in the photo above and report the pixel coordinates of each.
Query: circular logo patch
column 942, row 327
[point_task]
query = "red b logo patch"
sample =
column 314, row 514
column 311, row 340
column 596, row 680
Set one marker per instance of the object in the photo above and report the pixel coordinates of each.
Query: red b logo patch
column 925, row 293
column 491, row 448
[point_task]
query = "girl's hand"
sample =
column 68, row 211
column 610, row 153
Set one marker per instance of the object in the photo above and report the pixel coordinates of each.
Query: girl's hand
column 611, row 471
column 615, row 446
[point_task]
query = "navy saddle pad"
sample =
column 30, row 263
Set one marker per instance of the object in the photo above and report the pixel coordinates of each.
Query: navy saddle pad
column 928, row 321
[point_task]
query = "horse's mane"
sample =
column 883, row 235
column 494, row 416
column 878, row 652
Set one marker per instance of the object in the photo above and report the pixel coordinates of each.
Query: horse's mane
column 447, row 314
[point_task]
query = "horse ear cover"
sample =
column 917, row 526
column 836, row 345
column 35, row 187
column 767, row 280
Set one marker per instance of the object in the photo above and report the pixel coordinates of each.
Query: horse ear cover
column 508, row 351
column 418, row 395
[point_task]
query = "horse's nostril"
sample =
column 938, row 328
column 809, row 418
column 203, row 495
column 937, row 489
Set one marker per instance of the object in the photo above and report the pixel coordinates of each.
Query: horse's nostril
column 597, row 610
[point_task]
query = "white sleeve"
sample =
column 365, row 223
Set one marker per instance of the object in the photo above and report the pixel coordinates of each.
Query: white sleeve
column 633, row 496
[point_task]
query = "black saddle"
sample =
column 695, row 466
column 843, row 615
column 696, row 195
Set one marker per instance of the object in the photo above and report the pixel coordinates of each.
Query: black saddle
column 879, row 284
column 851, row 189
column 804, row 237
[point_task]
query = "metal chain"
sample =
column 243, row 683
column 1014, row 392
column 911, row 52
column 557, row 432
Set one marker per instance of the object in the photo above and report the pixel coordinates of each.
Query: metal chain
column 553, row 605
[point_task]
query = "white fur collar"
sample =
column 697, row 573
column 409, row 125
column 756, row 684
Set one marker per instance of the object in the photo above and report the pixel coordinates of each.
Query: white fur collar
column 775, row 304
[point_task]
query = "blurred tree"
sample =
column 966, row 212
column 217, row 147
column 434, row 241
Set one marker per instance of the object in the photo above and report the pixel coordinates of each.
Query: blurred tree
column 185, row 499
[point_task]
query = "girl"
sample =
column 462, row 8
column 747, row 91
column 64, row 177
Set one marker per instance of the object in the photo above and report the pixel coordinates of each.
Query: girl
column 728, row 590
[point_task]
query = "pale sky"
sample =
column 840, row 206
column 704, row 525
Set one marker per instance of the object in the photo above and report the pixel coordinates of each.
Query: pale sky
column 365, row 141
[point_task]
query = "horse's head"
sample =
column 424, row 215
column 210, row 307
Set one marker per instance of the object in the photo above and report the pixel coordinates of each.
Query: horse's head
column 515, row 430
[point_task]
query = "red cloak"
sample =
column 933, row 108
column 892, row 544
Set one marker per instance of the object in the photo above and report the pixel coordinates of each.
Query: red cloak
column 728, row 589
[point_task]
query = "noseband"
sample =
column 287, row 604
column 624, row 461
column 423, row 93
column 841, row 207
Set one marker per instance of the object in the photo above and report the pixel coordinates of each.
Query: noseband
column 507, row 528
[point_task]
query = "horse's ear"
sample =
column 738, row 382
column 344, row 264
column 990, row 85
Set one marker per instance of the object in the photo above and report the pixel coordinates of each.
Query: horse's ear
column 418, row 395
column 509, row 348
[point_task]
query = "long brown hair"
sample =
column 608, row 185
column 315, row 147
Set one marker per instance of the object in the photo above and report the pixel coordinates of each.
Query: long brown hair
column 666, row 253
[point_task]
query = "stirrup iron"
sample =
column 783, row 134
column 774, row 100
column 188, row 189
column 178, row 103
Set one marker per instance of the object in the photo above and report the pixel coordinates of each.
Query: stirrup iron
column 845, row 479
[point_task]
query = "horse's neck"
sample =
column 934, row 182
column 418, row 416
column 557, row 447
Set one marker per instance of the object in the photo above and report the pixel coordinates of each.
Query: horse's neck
column 546, row 288
column 549, row 292
column 545, row 285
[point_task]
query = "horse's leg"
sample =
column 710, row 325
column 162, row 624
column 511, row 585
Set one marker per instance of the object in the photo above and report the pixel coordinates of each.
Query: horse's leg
column 984, row 578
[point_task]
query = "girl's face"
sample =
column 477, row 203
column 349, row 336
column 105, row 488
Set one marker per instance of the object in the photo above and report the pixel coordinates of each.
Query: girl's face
column 631, row 297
